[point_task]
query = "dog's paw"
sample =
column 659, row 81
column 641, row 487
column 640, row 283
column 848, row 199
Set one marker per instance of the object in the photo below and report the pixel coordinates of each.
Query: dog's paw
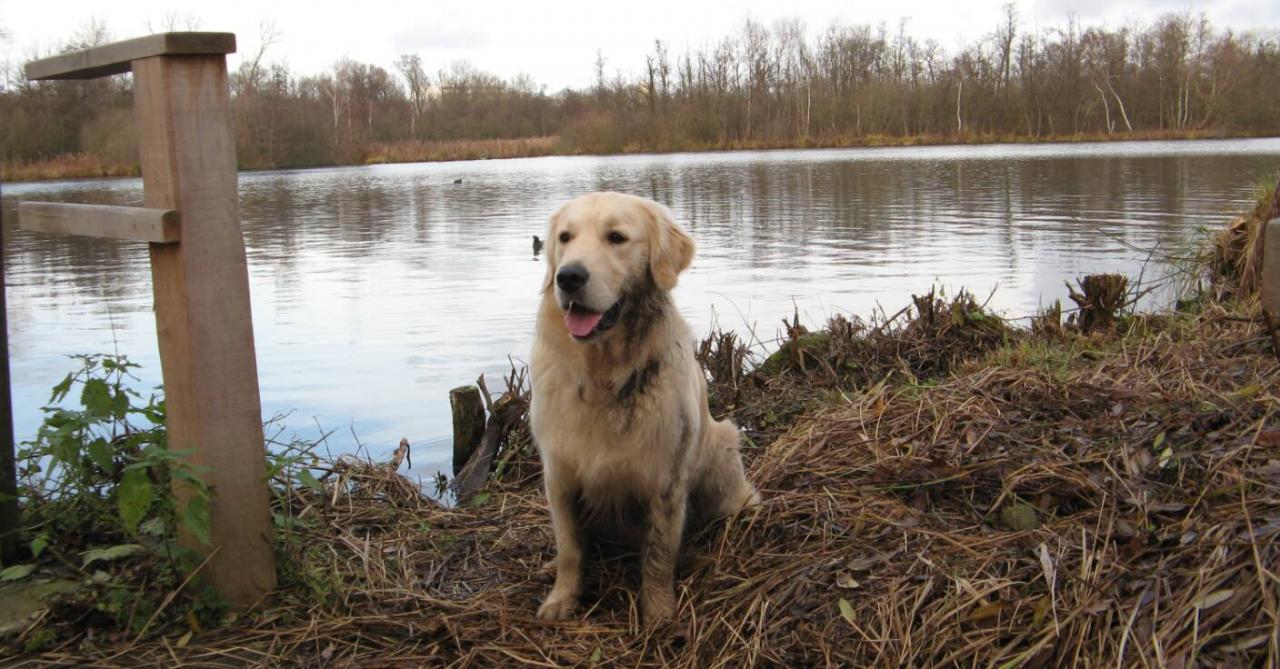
column 746, row 499
column 558, row 606
column 658, row 606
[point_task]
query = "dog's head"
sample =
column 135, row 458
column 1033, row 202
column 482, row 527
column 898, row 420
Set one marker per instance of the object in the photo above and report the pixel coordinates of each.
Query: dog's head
column 604, row 250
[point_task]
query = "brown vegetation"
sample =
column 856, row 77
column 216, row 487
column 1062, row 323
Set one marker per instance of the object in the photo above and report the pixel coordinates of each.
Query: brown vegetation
column 68, row 166
column 763, row 87
column 417, row 151
column 1236, row 255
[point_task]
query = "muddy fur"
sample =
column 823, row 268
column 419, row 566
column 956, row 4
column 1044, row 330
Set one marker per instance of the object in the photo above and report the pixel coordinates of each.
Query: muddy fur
column 629, row 449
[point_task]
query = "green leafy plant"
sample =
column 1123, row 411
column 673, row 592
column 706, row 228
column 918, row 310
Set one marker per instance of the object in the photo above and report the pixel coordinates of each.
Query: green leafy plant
column 100, row 470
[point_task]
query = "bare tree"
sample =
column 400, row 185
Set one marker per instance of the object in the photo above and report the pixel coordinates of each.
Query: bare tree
column 251, row 68
column 174, row 21
column 773, row 85
column 417, row 83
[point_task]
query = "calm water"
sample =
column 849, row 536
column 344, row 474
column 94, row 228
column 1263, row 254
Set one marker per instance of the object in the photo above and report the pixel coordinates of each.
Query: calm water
column 376, row 289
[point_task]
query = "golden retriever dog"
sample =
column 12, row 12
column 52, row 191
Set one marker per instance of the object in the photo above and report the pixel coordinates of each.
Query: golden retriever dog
column 619, row 409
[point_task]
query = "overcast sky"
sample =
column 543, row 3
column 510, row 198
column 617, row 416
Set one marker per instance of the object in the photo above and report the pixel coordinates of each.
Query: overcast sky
column 555, row 42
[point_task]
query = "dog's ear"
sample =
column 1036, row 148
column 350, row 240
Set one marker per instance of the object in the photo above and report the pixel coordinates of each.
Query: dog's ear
column 549, row 247
column 670, row 249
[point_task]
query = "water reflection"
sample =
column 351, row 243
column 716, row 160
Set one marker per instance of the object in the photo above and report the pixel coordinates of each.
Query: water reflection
column 376, row 289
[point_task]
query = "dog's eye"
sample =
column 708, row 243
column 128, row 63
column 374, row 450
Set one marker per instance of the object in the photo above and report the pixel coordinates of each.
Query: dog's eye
column 616, row 237
column 565, row 237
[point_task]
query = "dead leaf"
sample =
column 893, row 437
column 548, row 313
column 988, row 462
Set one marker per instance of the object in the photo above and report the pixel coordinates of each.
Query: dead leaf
column 1167, row 507
column 987, row 611
column 845, row 580
column 1046, row 564
column 1099, row 606
column 1140, row 460
column 1020, row 517
column 1246, row 644
column 1268, row 438
column 846, row 610
column 1039, row 610
column 1214, row 598
column 183, row 640
column 1123, row 529
column 863, row 564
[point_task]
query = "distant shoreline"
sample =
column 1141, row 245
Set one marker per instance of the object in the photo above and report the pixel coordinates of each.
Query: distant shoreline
column 85, row 166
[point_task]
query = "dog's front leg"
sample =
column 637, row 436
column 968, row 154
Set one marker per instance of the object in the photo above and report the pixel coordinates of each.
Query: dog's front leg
column 563, row 597
column 658, row 555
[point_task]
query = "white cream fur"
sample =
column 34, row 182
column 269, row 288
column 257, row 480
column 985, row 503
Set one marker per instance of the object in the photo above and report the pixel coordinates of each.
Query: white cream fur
column 623, row 418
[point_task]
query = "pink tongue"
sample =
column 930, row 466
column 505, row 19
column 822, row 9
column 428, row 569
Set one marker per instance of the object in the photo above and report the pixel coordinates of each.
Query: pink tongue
column 581, row 323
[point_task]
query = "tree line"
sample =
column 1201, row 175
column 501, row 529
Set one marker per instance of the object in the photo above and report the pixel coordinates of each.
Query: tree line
column 765, row 85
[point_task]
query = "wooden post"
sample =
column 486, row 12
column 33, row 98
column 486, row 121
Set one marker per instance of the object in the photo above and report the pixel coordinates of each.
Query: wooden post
column 1271, row 279
column 10, row 520
column 200, row 281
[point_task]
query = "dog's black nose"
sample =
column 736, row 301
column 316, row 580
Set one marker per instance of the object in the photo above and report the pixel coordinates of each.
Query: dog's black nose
column 572, row 277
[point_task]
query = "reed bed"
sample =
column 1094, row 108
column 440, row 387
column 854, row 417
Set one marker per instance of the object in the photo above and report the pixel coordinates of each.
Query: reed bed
column 417, row 151
column 67, row 166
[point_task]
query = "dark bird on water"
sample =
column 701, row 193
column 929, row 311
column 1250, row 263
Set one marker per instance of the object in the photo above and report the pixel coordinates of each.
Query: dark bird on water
column 457, row 181
column 537, row 245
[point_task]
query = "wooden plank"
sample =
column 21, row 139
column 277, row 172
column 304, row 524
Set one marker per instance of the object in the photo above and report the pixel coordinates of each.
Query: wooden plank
column 139, row 224
column 1271, row 267
column 117, row 57
column 187, row 149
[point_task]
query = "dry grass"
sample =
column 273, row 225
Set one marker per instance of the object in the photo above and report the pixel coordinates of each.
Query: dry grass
column 922, row 341
column 1096, row 500
column 461, row 149
column 850, row 141
column 1235, row 257
column 69, row 166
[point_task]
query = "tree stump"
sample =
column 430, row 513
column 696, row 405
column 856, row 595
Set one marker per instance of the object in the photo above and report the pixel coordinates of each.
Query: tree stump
column 468, row 423
column 1101, row 297
column 506, row 413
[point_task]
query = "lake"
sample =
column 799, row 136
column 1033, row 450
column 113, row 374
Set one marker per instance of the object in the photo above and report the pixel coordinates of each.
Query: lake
column 377, row 289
